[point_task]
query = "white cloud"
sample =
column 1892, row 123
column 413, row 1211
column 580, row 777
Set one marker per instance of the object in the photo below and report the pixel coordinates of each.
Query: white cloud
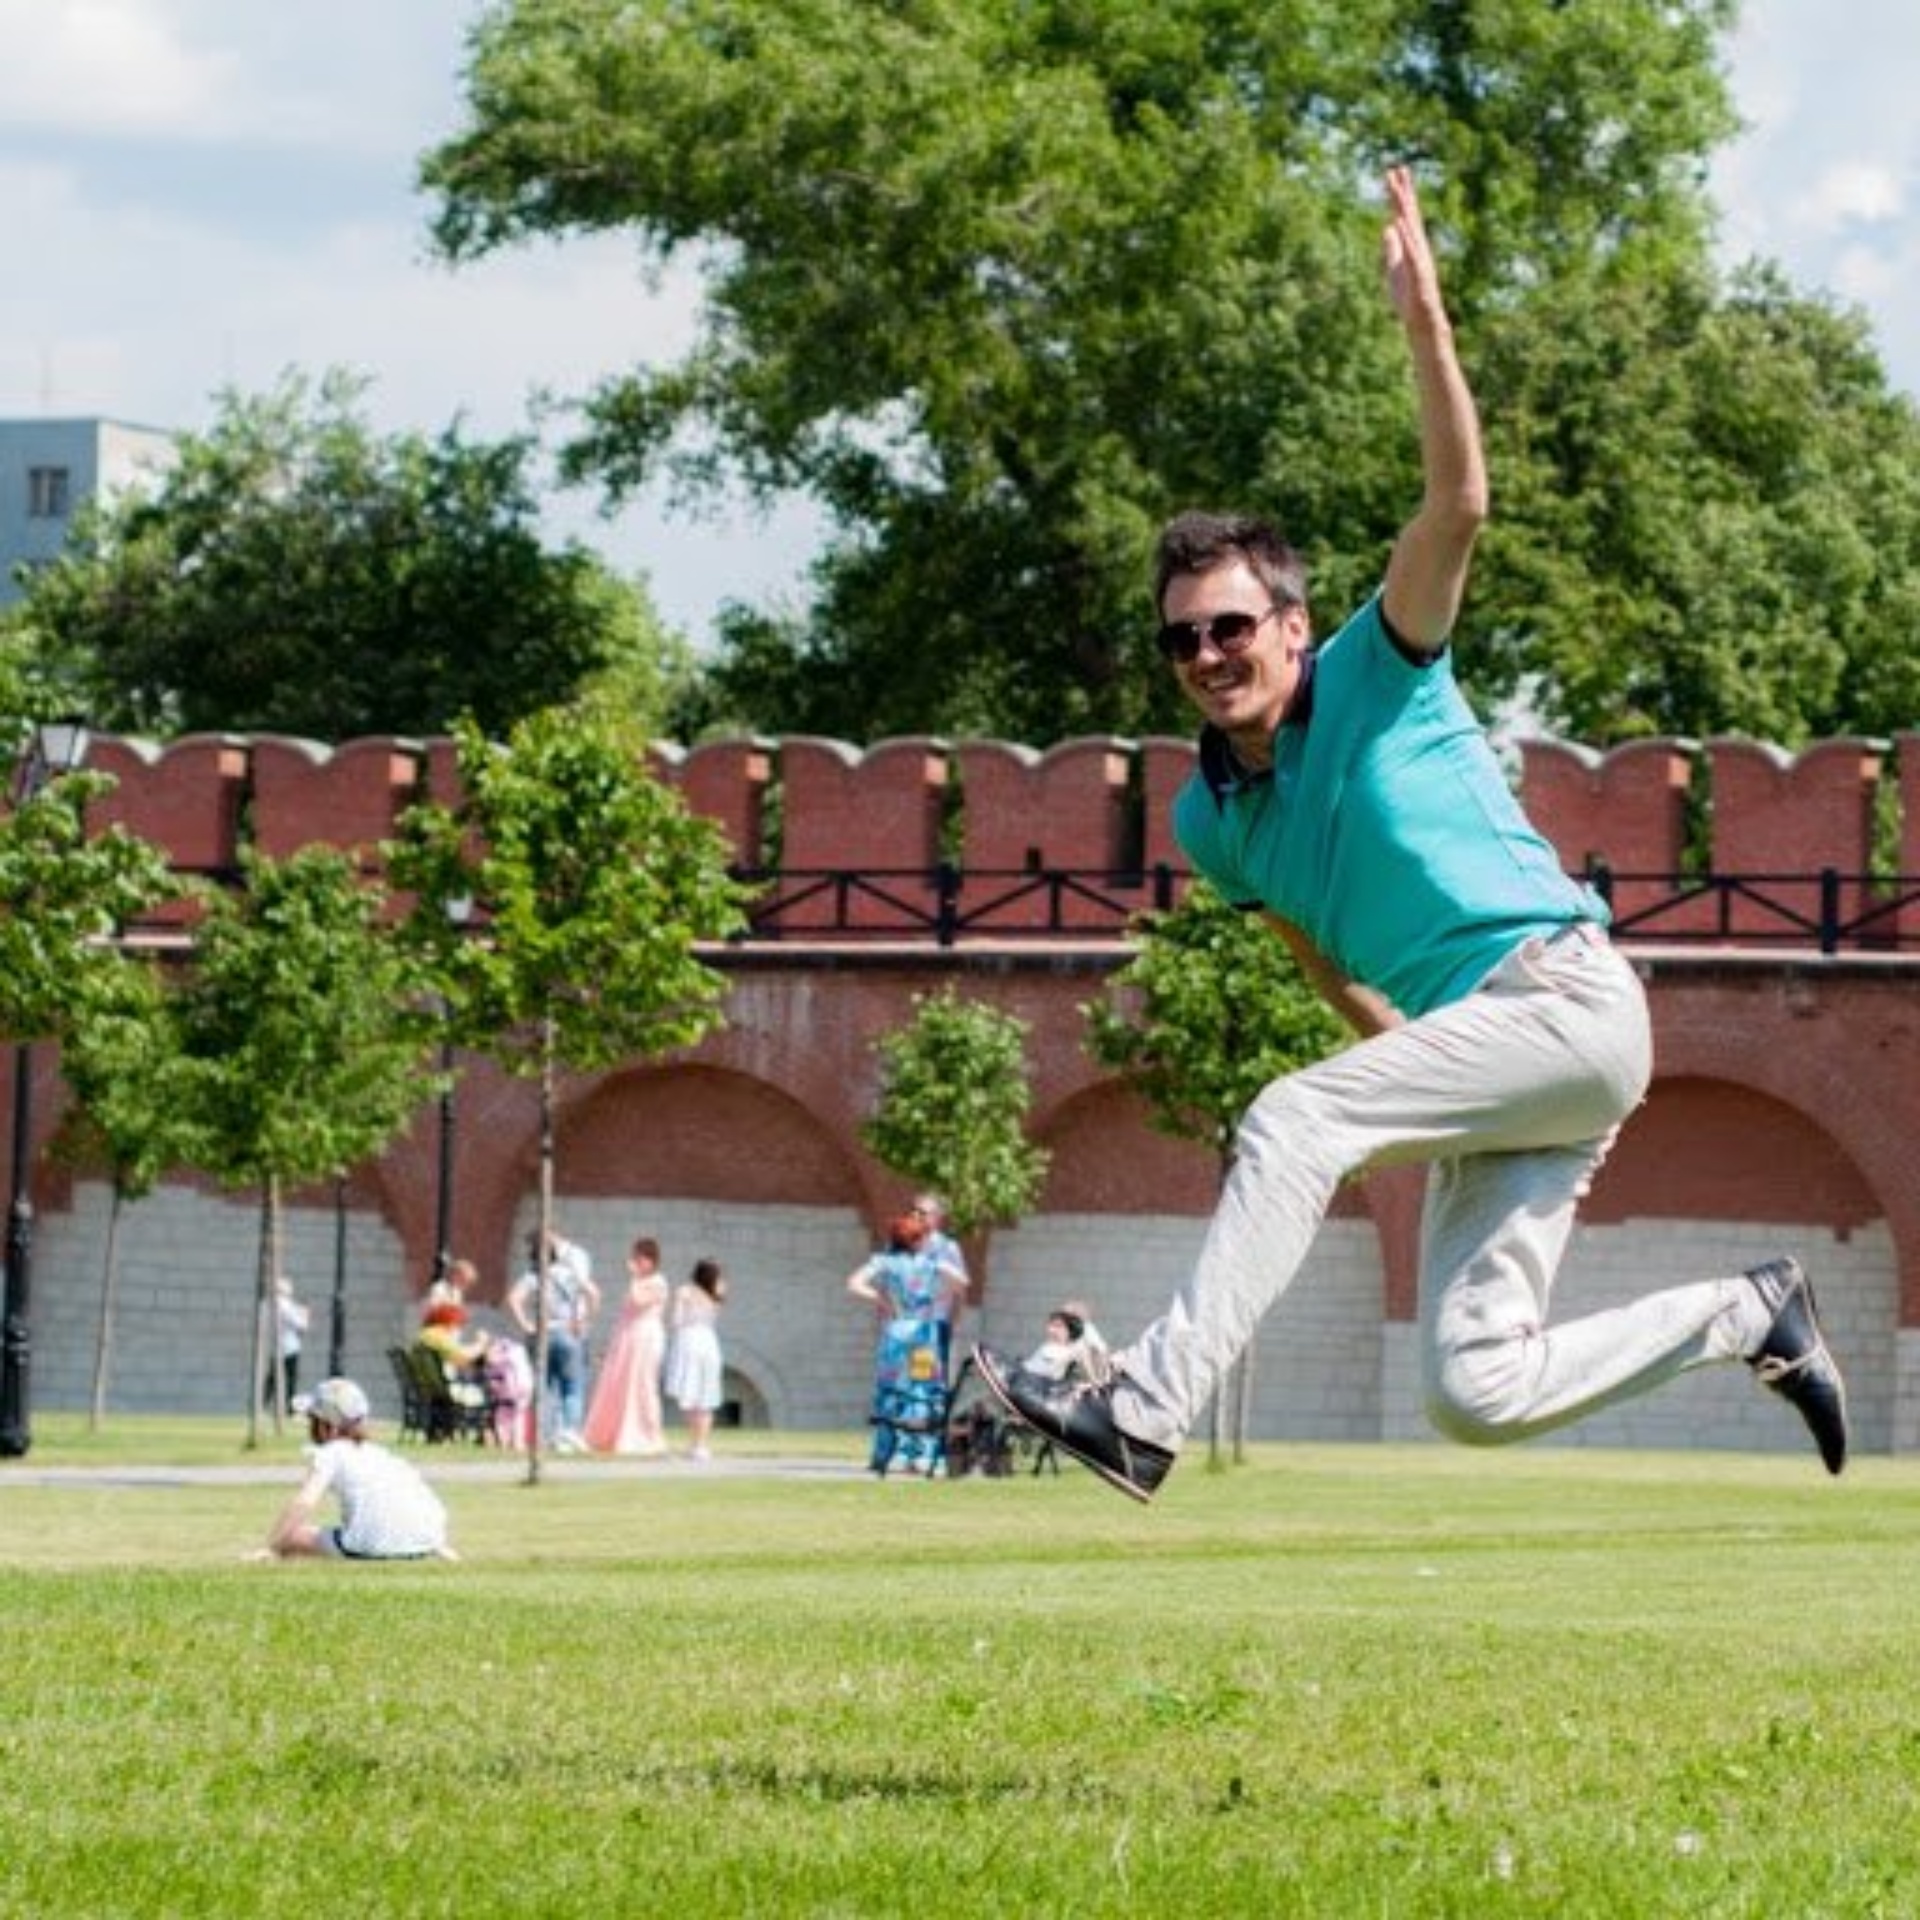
column 1822, row 180
column 198, row 193
column 351, row 76
column 107, row 66
column 1855, row 192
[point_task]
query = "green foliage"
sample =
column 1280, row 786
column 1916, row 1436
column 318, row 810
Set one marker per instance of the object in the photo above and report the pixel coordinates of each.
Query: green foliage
column 302, row 1024
column 64, row 897
column 123, row 1062
column 952, row 1107
column 1709, row 512
column 1209, row 1010
column 1003, row 284
column 591, row 884
column 296, row 573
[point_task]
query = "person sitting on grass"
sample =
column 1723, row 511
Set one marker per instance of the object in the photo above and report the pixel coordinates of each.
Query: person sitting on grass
column 387, row 1511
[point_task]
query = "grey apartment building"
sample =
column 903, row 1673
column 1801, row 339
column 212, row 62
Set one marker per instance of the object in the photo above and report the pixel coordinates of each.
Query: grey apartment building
column 49, row 468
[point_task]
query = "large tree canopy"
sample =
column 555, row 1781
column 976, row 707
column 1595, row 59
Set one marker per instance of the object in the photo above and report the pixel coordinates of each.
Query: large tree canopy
column 1004, row 282
column 296, row 572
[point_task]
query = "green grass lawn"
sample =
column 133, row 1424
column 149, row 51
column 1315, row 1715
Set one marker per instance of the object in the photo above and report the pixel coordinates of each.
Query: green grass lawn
column 1368, row 1681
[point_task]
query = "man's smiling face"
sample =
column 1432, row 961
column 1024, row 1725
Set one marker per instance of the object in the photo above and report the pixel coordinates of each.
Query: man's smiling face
column 1244, row 693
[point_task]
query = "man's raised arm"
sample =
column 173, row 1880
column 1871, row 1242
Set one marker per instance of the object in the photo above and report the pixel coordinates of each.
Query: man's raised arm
column 1428, row 572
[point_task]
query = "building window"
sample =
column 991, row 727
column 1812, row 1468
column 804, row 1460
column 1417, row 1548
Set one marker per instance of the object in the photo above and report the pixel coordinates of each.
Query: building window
column 49, row 492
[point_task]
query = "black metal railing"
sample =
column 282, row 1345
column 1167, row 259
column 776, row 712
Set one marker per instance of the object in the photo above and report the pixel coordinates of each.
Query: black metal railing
column 943, row 905
column 1825, row 910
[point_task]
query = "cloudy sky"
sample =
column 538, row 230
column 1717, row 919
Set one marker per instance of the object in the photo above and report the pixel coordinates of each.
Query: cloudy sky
column 200, row 193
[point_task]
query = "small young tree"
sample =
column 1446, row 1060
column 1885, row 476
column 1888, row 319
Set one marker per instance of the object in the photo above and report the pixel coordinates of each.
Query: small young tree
column 64, row 898
column 590, row 885
column 306, row 1030
column 1210, row 1009
column 123, row 1063
column 951, row 1114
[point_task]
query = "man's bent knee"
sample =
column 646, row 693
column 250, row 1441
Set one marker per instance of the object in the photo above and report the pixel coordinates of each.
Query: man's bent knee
column 1476, row 1399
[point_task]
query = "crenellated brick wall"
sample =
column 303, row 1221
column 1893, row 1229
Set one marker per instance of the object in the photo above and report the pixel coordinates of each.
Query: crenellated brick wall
column 995, row 807
column 1785, row 1108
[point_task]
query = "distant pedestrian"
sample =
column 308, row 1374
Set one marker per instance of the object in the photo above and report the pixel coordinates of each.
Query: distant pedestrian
column 913, row 1295
column 696, row 1368
column 453, row 1287
column 289, row 1320
column 624, row 1413
column 571, row 1301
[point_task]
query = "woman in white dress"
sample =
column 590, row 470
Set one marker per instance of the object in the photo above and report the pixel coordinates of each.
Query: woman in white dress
column 695, row 1369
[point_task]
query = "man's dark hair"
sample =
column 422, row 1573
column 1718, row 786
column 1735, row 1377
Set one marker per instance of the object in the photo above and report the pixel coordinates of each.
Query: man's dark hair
column 1198, row 542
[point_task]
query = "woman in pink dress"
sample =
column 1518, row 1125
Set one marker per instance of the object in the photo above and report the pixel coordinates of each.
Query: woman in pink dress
column 624, row 1414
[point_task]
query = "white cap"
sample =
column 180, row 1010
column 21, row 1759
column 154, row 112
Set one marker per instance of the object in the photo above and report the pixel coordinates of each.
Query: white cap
column 338, row 1402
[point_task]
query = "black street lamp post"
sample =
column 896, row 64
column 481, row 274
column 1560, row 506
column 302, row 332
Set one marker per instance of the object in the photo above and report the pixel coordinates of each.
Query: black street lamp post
column 58, row 747
column 16, row 1434
column 459, row 912
column 443, row 1197
column 337, row 1339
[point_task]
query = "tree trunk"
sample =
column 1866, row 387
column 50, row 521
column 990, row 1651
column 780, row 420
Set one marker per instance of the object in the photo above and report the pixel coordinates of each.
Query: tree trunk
column 1242, row 1403
column 543, row 1229
column 337, row 1319
column 974, row 1247
column 267, row 1267
column 1217, row 1418
column 109, row 1287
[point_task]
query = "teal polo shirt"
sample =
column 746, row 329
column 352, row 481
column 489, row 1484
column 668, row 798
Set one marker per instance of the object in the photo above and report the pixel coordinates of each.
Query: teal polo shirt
column 1385, row 830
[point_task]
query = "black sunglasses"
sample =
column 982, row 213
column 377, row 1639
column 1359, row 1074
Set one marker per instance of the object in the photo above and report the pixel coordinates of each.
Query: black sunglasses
column 1181, row 640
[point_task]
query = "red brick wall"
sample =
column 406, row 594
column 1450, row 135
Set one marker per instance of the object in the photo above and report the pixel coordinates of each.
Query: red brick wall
column 1084, row 804
column 1789, row 1086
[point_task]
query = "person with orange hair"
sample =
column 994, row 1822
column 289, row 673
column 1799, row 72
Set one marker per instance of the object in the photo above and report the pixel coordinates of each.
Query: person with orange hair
column 914, row 1293
column 460, row 1355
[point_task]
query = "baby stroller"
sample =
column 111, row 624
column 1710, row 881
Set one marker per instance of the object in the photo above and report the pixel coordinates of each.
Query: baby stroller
column 981, row 1439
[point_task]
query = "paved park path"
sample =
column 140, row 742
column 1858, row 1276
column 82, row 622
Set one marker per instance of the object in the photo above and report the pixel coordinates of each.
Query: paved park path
column 445, row 1464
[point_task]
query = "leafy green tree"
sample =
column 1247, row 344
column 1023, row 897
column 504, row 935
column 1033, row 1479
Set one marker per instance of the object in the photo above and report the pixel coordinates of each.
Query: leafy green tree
column 65, row 897
column 1209, row 1010
column 306, row 1028
column 297, row 573
column 1708, row 517
column 1002, row 284
column 124, row 1066
column 951, row 1113
column 590, row 885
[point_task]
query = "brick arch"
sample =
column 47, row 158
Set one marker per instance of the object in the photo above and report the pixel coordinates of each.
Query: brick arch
column 1713, row 1149
column 701, row 1133
column 1155, row 1174
column 1833, row 1047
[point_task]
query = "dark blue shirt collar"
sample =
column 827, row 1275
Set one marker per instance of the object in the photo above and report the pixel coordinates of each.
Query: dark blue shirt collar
column 1218, row 767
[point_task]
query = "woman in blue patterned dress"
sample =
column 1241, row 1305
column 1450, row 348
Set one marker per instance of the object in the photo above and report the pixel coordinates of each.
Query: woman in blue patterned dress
column 914, row 1294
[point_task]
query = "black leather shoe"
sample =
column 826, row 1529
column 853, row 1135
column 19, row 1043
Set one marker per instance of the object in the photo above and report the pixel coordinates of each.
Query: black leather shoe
column 1794, row 1359
column 1077, row 1416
